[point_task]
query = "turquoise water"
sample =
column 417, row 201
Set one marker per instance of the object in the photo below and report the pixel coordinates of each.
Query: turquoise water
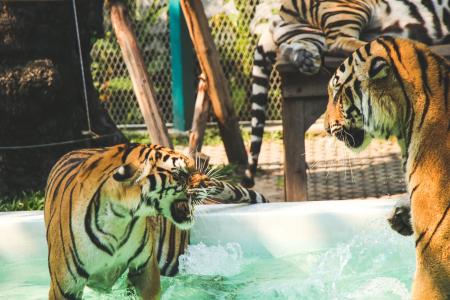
column 367, row 267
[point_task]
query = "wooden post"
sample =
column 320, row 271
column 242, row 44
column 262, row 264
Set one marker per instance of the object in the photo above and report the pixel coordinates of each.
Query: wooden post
column 182, row 61
column 295, row 180
column 217, row 84
column 138, row 72
column 201, row 113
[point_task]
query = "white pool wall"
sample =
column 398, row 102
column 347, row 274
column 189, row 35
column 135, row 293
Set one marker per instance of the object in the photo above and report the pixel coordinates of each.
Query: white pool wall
column 274, row 229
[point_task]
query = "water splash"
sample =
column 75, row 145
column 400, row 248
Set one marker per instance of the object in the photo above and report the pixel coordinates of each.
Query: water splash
column 367, row 267
column 212, row 260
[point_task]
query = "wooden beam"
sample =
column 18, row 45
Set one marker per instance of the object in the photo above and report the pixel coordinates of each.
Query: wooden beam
column 218, row 91
column 201, row 113
column 139, row 76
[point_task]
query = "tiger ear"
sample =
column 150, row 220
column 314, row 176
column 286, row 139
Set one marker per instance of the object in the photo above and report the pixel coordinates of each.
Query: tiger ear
column 379, row 68
column 124, row 172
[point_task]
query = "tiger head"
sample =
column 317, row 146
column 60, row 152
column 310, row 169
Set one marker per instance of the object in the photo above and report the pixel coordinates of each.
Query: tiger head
column 154, row 180
column 365, row 96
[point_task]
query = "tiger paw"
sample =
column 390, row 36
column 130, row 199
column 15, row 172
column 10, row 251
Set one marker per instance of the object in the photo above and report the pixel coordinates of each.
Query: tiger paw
column 305, row 56
column 400, row 218
column 248, row 181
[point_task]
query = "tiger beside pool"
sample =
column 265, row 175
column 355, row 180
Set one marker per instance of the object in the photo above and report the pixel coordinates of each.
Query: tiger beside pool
column 396, row 87
column 97, row 208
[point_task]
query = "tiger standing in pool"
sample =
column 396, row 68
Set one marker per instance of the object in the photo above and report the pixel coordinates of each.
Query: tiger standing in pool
column 395, row 87
column 97, row 205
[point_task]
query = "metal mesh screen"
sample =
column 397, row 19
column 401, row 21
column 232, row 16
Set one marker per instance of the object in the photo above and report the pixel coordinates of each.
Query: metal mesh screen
column 232, row 24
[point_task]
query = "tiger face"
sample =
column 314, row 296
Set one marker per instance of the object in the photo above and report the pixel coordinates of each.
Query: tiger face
column 160, row 184
column 363, row 94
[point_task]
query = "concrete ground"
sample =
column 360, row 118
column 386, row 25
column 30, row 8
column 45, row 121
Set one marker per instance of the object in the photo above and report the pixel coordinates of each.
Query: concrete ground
column 334, row 172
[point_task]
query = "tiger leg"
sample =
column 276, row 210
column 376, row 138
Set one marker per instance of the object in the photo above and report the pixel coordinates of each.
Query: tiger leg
column 264, row 59
column 143, row 272
column 64, row 286
column 65, row 282
column 147, row 283
column 301, row 45
column 343, row 29
column 170, row 243
column 400, row 217
column 146, row 280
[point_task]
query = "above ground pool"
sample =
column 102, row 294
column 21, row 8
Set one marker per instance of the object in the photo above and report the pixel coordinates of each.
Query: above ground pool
column 309, row 250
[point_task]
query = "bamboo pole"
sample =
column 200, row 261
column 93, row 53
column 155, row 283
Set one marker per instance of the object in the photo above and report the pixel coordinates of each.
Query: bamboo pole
column 138, row 72
column 218, row 91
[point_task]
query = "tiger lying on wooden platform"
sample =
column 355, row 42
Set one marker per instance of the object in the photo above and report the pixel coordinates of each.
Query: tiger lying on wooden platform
column 98, row 205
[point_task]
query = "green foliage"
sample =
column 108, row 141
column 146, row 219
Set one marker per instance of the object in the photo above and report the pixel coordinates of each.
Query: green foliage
column 28, row 201
column 109, row 71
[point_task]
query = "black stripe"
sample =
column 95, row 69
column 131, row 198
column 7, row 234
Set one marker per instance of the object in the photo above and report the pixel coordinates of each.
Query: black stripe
column 88, row 169
column 424, row 70
column 152, row 181
column 252, row 196
column 65, row 294
column 139, row 249
column 421, row 235
column 76, row 258
column 128, row 149
column 162, row 232
column 342, row 23
column 357, row 89
column 446, row 90
column 288, row 12
column 115, row 212
column 96, row 220
column 258, row 131
column 61, row 178
column 436, row 23
column 342, row 13
column 417, row 160
column 395, row 47
column 358, row 53
column 444, row 215
column 295, row 5
column 413, row 191
column 367, row 49
column 409, row 107
column 87, row 226
column 260, row 115
column 61, row 231
column 142, row 151
column 138, row 270
column 171, row 252
column 128, row 231
column 260, row 99
column 414, row 12
column 260, row 81
column 237, row 192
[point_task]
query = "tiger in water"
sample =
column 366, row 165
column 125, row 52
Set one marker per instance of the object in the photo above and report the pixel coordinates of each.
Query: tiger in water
column 304, row 30
column 100, row 209
column 397, row 87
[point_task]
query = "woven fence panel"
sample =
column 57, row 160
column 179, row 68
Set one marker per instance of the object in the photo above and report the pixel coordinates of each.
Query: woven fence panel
column 234, row 25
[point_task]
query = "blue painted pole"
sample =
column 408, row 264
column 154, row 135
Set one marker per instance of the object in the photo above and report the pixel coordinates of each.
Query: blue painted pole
column 182, row 59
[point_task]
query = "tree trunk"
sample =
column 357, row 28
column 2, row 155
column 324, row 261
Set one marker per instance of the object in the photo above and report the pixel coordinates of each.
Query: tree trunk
column 41, row 89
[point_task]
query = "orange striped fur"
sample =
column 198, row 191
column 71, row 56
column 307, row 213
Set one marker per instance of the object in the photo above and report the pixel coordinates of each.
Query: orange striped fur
column 396, row 87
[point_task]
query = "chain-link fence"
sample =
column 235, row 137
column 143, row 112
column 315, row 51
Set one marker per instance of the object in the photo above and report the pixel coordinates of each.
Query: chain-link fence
column 234, row 24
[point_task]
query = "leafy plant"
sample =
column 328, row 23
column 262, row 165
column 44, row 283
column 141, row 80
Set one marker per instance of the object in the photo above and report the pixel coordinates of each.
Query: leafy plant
column 28, row 201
